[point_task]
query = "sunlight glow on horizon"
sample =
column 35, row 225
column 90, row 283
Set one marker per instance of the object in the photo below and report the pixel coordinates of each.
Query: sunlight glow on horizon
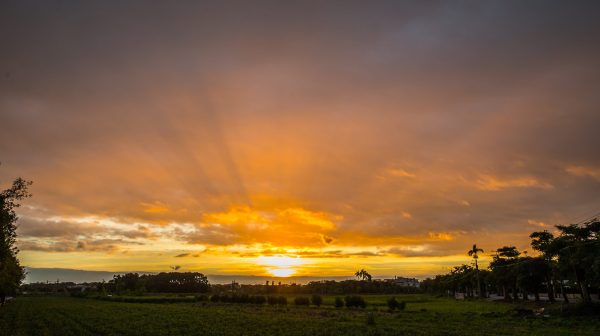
column 282, row 272
column 280, row 265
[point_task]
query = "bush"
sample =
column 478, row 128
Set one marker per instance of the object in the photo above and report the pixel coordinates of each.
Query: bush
column 215, row 298
column 355, row 301
column 243, row 298
column 201, row 298
column 339, row 303
column 282, row 301
column 578, row 309
column 392, row 303
column 272, row 300
column 301, row 301
column 317, row 300
column 258, row 299
column 371, row 319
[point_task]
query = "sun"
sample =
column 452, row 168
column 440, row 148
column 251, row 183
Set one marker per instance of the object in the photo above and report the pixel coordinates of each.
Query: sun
column 282, row 272
column 280, row 265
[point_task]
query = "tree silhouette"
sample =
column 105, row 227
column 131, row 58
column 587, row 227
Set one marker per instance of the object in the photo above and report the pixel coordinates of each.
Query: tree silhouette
column 504, row 271
column 579, row 253
column 542, row 242
column 473, row 253
column 362, row 274
column 11, row 272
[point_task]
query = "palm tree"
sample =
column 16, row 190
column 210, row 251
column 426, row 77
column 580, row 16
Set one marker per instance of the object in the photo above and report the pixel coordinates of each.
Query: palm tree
column 362, row 274
column 473, row 253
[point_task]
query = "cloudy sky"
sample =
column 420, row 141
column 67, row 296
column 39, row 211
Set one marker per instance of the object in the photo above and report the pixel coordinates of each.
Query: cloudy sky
column 304, row 138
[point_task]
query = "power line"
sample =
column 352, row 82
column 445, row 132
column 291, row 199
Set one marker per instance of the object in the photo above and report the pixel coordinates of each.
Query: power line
column 587, row 219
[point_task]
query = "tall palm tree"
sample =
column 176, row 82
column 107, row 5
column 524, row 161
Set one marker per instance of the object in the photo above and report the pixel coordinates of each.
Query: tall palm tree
column 362, row 274
column 473, row 253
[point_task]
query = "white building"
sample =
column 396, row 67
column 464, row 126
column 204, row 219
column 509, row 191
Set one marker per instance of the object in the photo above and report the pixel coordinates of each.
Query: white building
column 404, row 282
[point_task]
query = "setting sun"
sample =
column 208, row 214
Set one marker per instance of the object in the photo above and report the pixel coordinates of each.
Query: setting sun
column 280, row 265
column 282, row 272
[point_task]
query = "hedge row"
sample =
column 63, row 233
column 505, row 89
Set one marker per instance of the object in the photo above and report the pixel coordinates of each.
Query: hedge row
column 142, row 299
column 245, row 298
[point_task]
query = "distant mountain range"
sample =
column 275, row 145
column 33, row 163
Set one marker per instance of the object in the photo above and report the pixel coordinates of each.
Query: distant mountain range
column 79, row 276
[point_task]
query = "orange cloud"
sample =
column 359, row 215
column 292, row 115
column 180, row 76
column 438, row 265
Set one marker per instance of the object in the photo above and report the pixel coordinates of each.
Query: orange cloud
column 492, row 183
column 584, row 171
column 281, row 226
column 398, row 172
column 155, row 208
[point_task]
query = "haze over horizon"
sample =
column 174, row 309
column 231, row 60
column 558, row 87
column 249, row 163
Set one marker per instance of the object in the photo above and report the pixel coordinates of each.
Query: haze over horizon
column 303, row 138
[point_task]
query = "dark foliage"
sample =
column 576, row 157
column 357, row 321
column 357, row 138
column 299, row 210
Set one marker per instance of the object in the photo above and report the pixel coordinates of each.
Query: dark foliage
column 301, row 301
column 355, row 301
column 11, row 272
column 316, row 300
column 172, row 282
column 568, row 263
column 371, row 319
column 393, row 303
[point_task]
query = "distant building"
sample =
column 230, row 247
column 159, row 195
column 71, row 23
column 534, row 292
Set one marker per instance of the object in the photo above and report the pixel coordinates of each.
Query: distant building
column 404, row 282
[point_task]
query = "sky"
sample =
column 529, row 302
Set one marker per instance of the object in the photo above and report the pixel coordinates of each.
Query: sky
column 296, row 138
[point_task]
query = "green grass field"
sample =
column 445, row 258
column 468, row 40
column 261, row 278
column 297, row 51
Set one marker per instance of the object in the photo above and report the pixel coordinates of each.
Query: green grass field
column 424, row 315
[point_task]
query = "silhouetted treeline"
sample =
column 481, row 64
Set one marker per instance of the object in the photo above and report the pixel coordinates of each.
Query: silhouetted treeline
column 172, row 282
column 46, row 287
column 327, row 287
column 567, row 263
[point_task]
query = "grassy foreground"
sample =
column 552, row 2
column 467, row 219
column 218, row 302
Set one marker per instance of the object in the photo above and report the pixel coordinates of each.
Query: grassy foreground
column 423, row 316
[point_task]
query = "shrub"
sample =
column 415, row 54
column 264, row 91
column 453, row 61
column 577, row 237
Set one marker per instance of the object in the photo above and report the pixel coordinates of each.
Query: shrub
column 579, row 309
column 272, row 300
column 402, row 305
column 392, row 303
column 244, row 298
column 371, row 319
column 339, row 303
column 201, row 298
column 301, row 301
column 282, row 301
column 235, row 298
column 259, row 299
column 215, row 298
column 355, row 301
column 317, row 300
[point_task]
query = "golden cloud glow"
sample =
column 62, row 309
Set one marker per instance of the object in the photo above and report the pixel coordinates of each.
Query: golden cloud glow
column 280, row 265
column 155, row 208
column 584, row 171
column 488, row 182
column 397, row 172
column 278, row 226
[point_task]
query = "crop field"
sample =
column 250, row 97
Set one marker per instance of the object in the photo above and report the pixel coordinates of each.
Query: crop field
column 423, row 315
